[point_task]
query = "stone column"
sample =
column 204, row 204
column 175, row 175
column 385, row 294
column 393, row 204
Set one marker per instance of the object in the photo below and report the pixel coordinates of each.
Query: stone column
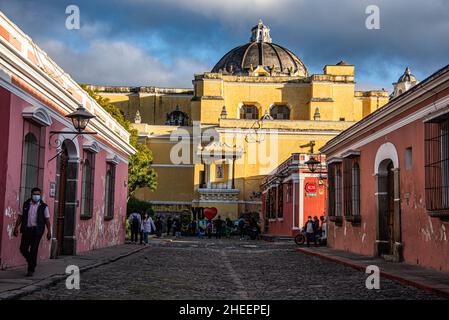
column 301, row 200
column 230, row 173
column 208, row 175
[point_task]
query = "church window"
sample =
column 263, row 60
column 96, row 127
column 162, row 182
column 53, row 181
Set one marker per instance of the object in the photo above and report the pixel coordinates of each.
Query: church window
column 280, row 112
column 249, row 111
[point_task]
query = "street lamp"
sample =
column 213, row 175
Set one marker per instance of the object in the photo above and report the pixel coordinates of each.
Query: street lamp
column 80, row 118
column 312, row 164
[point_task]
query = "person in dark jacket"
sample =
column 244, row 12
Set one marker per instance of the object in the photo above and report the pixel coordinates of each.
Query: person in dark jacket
column 316, row 226
column 218, row 227
column 158, row 225
column 135, row 221
column 309, row 228
column 32, row 221
column 169, row 224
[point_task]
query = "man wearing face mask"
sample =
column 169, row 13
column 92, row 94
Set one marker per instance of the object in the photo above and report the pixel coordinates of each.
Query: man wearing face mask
column 32, row 222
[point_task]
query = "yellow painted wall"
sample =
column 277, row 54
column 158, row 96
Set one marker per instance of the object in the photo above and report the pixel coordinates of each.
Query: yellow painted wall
column 333, row 93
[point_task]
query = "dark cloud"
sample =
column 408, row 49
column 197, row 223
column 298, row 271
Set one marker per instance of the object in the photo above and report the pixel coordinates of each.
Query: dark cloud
column 180, row 37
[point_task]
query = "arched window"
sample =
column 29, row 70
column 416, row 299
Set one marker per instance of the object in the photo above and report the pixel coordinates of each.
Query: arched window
column 249, row 111
column 338, row 193
column 355, row 196
column 280, row 112
column 110, row 191
column 177, row 118
column 32, row 160
column 87, row 187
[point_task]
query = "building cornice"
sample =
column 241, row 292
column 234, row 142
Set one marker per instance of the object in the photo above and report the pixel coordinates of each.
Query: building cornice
column 395, row 107
column 29, row 69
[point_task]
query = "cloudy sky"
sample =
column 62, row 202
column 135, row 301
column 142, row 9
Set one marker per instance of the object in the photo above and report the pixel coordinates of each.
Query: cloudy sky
column 165, row 42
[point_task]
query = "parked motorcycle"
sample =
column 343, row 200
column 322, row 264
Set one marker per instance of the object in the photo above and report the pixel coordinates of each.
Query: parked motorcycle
column 301, row 238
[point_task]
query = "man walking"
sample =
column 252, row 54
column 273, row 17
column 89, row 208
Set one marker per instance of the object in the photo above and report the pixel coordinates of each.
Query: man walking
column 135, row 221
column 309, row 227
column 32, row 222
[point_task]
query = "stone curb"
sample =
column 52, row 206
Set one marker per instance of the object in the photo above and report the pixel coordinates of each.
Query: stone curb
column 53, row 279
column 423, row 286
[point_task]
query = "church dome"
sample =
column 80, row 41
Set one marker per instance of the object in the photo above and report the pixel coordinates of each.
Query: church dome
column 260, row 51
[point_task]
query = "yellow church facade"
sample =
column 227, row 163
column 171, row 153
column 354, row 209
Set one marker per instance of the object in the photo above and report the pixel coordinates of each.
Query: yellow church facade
column 213, row 144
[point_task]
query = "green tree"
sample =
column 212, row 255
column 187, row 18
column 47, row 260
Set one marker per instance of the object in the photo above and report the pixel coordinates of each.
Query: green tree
column 140, row 173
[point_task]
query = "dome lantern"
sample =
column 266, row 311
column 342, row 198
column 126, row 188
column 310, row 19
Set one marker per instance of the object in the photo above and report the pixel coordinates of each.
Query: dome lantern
column 260, row 33
column 261, row 53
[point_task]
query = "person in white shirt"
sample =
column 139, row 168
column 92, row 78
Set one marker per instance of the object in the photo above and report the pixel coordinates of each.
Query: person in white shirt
column 32, row 222
column 147, row 227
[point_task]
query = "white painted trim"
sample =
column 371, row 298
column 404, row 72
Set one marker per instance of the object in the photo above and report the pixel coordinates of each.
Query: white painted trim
column 74, row 155
column 294, row 203
column 160, row 165
column 17, row 64
column 439, row 112
column 168, row 203
column 112, row 158
column 91, row 146
column 334, row 160
column 301, row 201
column 351, row 153
column 33, row 101
column 38, row 115
column 277, row 131
column 418, row 115
column 386, row 151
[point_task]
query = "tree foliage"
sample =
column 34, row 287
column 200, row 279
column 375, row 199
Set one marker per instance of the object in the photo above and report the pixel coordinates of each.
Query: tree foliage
column 140, row 173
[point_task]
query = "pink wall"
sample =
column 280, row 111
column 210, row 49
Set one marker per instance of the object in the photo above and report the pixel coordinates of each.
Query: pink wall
column 4, row 127
column 313, row 206
column 425, row 239
column 282, row 227
column 90, row 234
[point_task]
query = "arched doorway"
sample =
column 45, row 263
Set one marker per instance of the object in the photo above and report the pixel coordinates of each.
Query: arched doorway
column 385, row 214
column 66, row 199
column 389, row 233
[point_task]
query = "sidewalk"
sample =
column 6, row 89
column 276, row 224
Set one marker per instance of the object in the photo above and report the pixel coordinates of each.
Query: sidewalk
column 14, row 284
column 422, row 278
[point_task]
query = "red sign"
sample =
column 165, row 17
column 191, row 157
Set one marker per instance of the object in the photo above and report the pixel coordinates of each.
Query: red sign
column 310, row 187
column 210, row 213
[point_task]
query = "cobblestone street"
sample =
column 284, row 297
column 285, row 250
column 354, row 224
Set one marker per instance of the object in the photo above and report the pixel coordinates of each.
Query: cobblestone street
column 225, row 269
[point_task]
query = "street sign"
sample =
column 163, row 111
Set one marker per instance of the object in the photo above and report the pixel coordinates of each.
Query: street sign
column 310, row 187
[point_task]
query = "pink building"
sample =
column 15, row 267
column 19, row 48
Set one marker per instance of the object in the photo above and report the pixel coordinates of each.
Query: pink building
column 290, row 195
column 83, row 178
column 389, row 179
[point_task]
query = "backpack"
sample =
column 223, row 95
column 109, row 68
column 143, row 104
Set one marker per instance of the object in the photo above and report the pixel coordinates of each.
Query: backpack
column 135, row 221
